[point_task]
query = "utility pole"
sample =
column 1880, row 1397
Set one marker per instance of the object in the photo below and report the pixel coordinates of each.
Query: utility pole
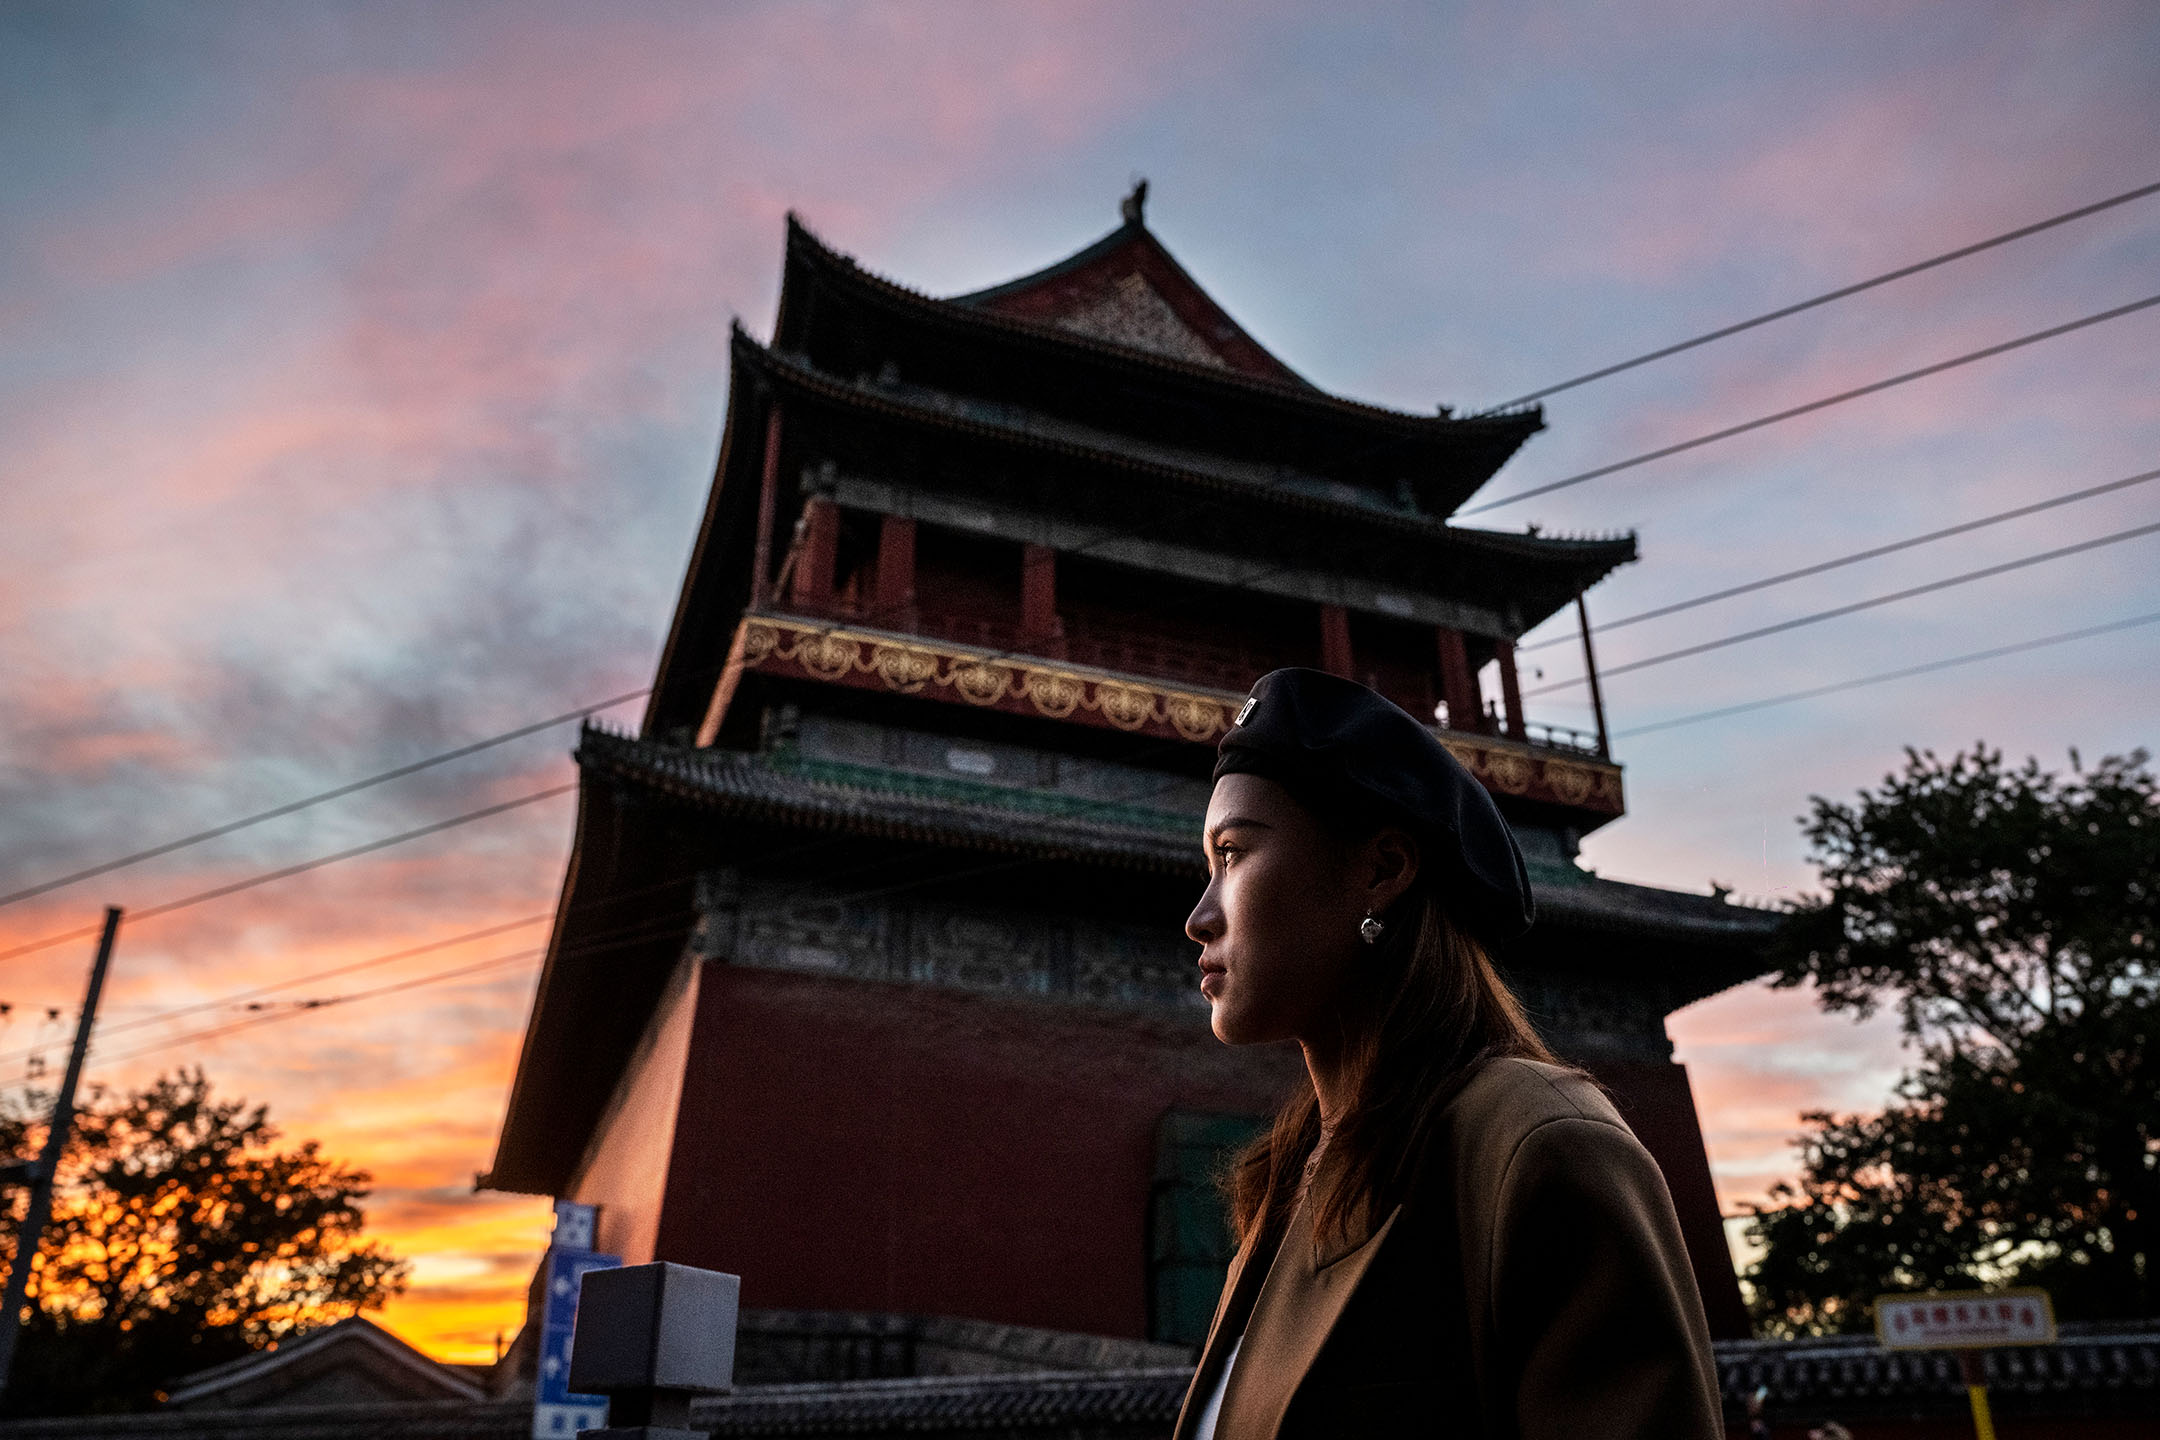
column 40, row 1173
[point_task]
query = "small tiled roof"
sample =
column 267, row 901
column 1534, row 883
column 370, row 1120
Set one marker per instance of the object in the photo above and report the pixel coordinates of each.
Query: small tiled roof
column 1617, row 907
column 2112, row 1372
column 353, row 1341
column 2118, row 1367
column 397, row 1420
column 1011, row 820
column 751, row 785
column 1112, row 1402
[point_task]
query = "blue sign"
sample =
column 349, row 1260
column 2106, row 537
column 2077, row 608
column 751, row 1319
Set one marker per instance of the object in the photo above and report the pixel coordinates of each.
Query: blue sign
column 556, row 1411
column 574, row 1225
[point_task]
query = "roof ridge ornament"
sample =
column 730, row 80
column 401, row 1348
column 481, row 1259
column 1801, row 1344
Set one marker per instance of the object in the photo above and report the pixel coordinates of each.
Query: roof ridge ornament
column 1134, row 206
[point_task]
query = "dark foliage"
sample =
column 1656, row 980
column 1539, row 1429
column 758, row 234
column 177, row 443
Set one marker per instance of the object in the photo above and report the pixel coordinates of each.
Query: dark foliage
column 2011, row 917
column 180, row 1239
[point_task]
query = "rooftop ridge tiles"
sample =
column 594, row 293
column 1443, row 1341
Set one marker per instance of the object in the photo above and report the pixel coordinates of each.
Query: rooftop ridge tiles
column 2118, row 1366
column 740, row 777
column 1852, row 1367
column 1031, row 1398
column 1095, row 249
column 801, row 237
column 711, row 774
column 1133, row 236
column 1034, row 799
column 1584, row 537
column 353, row 1330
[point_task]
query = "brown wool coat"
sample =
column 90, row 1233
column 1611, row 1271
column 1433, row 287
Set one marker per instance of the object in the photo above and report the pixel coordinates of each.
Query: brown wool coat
column 1532, row 1287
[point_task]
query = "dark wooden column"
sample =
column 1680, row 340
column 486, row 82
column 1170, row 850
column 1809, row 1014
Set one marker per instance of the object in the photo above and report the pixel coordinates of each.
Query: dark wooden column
column 1040, row 626
column 811, row 587
column 1335, row 641
column 1510, row 689
column 895, row 600
column 1458, row 685
column 1589, row 660
column 768, row 492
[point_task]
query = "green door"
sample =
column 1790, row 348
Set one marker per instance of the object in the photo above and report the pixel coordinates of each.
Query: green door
column 1189, row 1241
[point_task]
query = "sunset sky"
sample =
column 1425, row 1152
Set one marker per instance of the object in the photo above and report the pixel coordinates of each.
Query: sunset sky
column 363, row 368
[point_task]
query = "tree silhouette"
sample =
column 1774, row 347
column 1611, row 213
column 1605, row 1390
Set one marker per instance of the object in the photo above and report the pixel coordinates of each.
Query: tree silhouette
column 2013, row 918
column 180, row 1238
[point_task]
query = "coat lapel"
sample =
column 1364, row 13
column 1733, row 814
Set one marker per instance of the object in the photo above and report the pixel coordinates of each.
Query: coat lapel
column 1296, row 1310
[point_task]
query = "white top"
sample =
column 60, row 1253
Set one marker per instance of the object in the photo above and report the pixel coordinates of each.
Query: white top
column 1205, row 1430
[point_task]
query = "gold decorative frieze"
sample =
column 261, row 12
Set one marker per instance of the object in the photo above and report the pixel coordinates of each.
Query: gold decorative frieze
column 1510, row 767
column 913, row 665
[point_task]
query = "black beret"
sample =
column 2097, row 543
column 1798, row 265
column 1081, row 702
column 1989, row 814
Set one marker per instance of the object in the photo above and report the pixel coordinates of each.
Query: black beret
column 1347, row 753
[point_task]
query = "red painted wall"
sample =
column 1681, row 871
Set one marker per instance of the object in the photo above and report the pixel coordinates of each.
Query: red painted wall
column 625, row 1169
column 844, row 1145
column 849, row 1145
column 1659, row 1106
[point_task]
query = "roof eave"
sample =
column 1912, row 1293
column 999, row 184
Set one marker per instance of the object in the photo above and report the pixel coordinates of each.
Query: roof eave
column 1601, row 553
column 808, row 256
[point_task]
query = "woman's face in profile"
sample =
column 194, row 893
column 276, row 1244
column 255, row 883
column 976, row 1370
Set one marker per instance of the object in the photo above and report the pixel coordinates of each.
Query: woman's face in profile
column 1277, row 925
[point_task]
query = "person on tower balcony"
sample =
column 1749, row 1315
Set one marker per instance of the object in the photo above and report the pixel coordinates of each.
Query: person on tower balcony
column 1449, row 1231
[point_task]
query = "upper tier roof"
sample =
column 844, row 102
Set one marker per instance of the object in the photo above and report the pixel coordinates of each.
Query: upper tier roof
column 1128, row 289
column 1119, row 329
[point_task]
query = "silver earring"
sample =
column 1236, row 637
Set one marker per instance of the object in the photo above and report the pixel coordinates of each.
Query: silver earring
column 1370, row 929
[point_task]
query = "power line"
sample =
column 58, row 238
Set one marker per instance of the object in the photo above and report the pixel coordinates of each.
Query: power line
column 586, row 711
column 504, row 737
column 643, row 931
column 636, row 933
column 488, row 811
column 448, row 942
column 1109, row 536
column 160, row 1017
column 427, row 762
column 1973, row 658
column 1857, row 556
column 265, row 878
column 1841, row 293
column 616, row 938
column 1813, row 405
column 613, row 934
column 219, row 892
column 1971, row 575
column 329, row 1002
column 338, row 792
column 458, row 972
column 1113, row 535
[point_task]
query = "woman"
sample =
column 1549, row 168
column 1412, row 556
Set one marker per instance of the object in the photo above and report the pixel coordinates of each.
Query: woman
column 1448, row 1232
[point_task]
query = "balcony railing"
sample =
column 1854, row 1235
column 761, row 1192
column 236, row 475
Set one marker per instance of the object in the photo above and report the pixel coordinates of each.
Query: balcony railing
column 1562, row 737
column 1214, row 667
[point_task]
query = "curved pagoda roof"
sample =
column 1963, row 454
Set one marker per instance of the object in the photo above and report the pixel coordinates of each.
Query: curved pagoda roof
column 1119, row 335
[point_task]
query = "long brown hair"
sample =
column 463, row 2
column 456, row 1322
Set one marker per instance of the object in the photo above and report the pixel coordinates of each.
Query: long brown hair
column 1426, row 1009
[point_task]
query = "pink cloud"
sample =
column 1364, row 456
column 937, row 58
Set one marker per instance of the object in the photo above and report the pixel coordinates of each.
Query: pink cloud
column 1758, row 1057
